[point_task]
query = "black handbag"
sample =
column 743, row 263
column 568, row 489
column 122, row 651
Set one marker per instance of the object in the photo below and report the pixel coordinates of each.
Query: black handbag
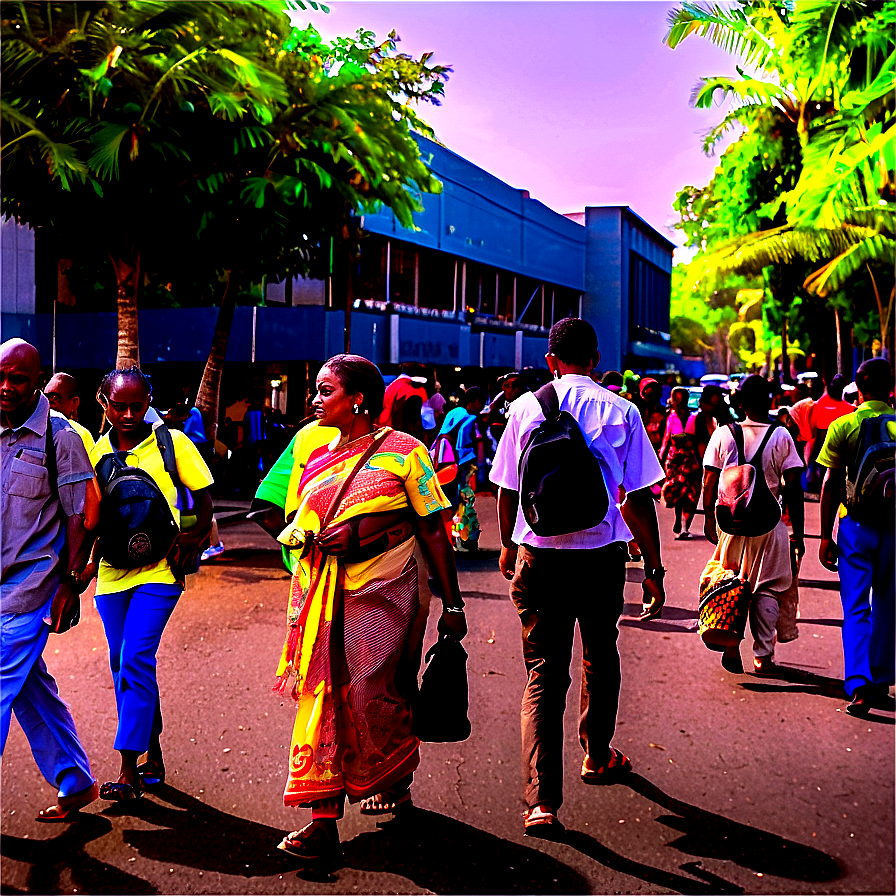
column 439, row 711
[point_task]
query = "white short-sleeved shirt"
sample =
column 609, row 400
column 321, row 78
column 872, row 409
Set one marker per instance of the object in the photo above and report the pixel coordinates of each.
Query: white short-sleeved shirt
column 780, row 453
column 615, row 433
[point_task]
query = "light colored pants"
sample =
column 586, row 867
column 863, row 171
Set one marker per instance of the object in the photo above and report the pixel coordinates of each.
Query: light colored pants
column 764, row 611
column 30, row 691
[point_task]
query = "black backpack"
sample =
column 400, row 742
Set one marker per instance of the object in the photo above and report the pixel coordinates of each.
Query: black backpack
column 562, row 487
column 137, row 527
column 870, row 486
column 745, row 504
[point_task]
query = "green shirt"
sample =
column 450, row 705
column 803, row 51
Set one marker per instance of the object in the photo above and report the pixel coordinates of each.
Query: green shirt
column 842, row 440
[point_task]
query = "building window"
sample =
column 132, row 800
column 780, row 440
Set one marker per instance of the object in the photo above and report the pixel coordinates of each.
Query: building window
column 649, row 294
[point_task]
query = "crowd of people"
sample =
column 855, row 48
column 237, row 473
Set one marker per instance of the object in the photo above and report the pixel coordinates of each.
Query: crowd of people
column 374, row 495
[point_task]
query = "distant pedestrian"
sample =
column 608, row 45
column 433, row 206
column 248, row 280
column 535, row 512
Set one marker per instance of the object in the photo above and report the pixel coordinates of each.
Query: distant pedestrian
column 824, row 412
column 711, row 413
column 136, row 602
column 592, row 560
column 62, row 393
column 863, row 554
column 765, row 560
column 459, row 427
column 683, row 467
column 50, row 501
column 404, row 399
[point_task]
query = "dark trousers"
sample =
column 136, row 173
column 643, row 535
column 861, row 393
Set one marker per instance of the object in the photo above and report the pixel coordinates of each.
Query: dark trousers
column 552, row 590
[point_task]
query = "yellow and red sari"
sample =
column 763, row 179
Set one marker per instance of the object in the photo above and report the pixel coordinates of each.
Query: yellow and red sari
column 349, row 624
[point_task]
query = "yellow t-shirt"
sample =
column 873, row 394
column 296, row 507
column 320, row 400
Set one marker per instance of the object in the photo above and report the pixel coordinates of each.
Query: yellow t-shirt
column 194, row 474
column 86, row 437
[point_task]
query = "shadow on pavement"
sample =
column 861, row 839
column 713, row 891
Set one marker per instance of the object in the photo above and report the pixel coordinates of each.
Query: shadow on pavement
column 65, row 853
column 676, row 882
column 822, row 584
column 798, row 681
column 713, row 836
column 444, row 855
column 196, row 835
column 673, row 619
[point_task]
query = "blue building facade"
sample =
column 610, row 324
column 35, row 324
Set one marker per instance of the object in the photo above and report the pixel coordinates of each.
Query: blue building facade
column 477, row 284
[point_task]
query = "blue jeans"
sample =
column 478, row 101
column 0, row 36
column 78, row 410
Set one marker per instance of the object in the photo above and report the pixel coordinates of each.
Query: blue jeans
column 867, row 594
column 134, row 621
column 30, row 691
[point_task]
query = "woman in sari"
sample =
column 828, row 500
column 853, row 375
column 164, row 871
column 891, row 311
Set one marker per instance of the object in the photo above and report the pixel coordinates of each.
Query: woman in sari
column 357, row 506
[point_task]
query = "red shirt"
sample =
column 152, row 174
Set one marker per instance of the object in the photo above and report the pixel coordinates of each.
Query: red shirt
column 826, row 410
column 402, row 387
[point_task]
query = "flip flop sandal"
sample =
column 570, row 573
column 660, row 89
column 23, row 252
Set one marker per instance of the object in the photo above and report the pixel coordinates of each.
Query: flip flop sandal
column 386, row 803
column 616, row 767
column 541, row 822
column 312, row 843
column 69, row 807
column 117, row 792
column 150, row 778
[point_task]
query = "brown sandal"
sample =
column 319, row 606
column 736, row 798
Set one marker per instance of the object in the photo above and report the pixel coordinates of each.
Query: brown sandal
column 541, row 821
column 610, row 772
column 317, row 840
column 387, row 802
column 68, row 806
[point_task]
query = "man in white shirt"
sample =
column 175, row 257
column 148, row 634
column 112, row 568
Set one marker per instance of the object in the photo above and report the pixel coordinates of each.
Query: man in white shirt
column 765, row 559
column 591, row 563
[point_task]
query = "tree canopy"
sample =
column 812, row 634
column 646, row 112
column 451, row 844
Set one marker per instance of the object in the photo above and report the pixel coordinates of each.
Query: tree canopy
column 195, row 138
column 804, row 198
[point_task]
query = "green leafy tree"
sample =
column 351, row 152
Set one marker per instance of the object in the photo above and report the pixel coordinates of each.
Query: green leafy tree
column 207, row 140
column 824, row 73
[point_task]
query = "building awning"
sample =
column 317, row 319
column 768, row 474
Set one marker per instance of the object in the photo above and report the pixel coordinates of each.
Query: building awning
column 654, row 350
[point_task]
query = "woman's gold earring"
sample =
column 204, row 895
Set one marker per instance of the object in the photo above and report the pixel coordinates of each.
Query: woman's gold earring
column 357, row 408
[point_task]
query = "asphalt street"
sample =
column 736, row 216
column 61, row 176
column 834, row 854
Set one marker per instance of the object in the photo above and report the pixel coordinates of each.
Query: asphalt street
column 740, row 784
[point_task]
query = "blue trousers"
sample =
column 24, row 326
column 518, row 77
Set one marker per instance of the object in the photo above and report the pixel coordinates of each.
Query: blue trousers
column 134, row 621
column 867, row 594
column 30, row 691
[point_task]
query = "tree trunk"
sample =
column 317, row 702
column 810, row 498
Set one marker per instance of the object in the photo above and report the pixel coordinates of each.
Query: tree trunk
column 209, row 396
column 127, row 278
column 785, row 359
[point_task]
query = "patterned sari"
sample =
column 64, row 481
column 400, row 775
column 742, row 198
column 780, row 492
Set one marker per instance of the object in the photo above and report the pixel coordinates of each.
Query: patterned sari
column 349, row 625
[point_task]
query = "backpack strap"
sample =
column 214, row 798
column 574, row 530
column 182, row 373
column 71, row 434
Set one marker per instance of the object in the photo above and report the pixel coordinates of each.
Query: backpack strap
column 166, row 449
column 738, row 435
column 548, row 399
column 756, row 459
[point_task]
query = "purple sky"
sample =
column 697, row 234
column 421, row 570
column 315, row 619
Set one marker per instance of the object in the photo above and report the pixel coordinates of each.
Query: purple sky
column 580, row 103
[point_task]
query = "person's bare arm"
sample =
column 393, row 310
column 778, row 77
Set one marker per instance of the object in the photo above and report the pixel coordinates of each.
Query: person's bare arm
column 66, row 606
column 793, row 497
column 269, row 516
column 639, row 512
column 440, row 557
column 833, row 491
column 508, row 504
column 710, row 496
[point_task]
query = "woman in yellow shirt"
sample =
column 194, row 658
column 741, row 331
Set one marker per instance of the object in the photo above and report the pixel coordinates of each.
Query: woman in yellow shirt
column 136, row 603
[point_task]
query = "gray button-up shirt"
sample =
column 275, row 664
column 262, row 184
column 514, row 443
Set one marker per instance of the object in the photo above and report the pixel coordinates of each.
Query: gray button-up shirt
column 34, row 515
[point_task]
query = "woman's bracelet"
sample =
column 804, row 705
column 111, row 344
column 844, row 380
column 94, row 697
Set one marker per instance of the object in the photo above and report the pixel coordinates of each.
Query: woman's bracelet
column 447, row 609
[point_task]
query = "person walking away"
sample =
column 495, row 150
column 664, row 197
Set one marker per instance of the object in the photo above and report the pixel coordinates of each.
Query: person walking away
column 136, row 603
column 765, row 560
column 362, row 502
column 711, row 413
column 459, row 427
column 593, row 559
column 863, row 553
column 409, row 384
column 824, row 412
column 653, row 413
column 678, row 454
column 50, row 504
column 62, row 393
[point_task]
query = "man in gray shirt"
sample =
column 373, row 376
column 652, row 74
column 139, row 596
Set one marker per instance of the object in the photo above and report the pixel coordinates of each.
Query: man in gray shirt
column 49, row 502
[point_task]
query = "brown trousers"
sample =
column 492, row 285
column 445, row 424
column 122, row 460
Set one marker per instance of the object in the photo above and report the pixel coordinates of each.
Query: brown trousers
column 552, row 590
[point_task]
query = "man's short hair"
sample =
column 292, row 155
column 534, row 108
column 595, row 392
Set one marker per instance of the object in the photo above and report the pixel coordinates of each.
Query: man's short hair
column 755, row 392
column 835, row 386
column 711, row 391
column 573, row 341
column 474, row 393
column 874, row 378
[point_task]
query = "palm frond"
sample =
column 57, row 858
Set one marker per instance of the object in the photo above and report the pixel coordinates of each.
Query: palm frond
column 835, row 273
column 742, row 91
column 106, row 140
column 725, row 27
